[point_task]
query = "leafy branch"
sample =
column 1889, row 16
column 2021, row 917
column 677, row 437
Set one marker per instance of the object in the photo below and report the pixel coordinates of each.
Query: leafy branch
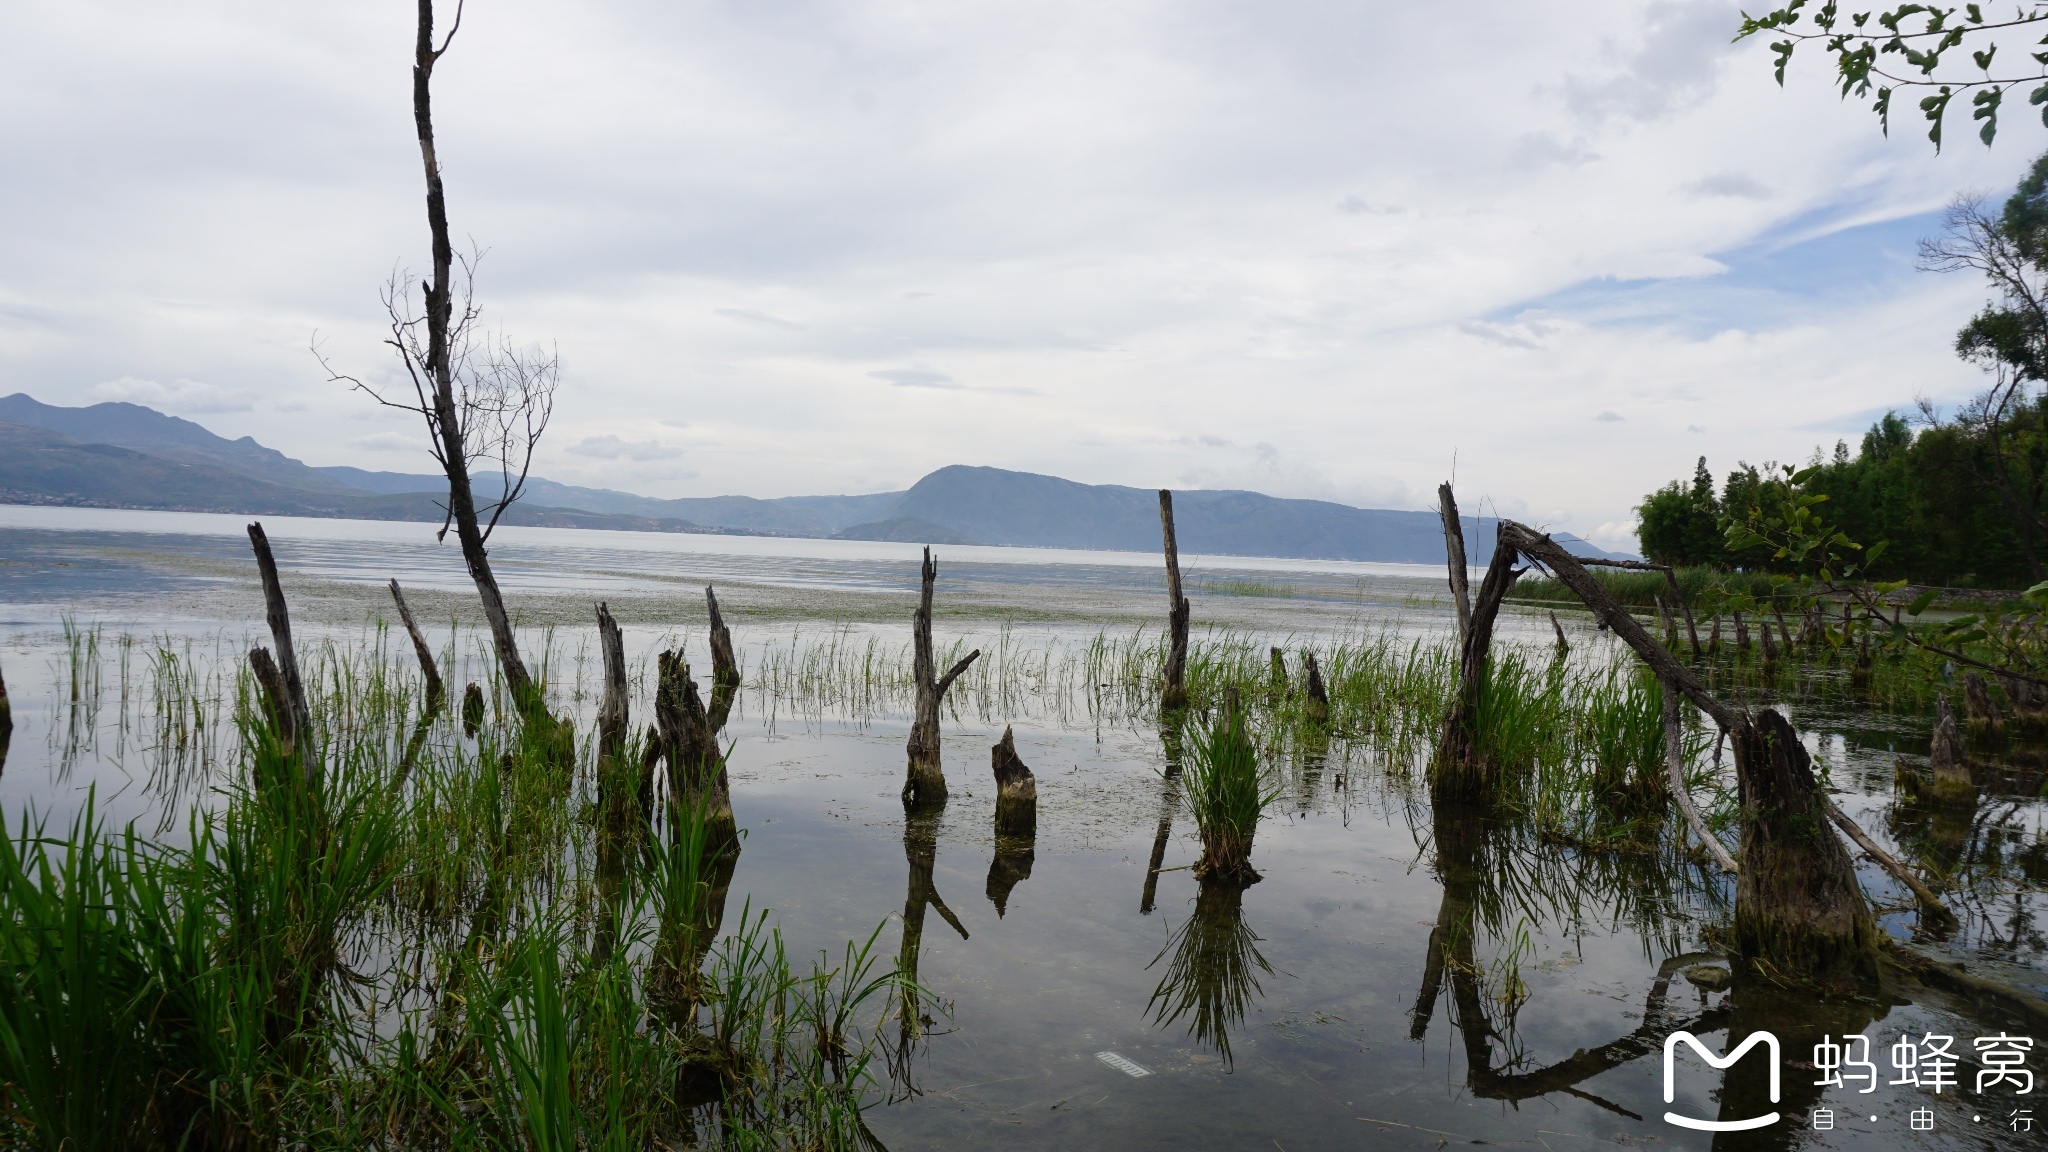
column 1924, row 38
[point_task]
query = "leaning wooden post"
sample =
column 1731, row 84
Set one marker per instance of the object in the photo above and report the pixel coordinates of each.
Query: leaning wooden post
column 725, row 667
column 436, row 691
column 1798, row 910
column 1174, row 695
column 1674, row 775
column 1454, row 557
column 926, row 782
column 288, row 662
column 1016, row 790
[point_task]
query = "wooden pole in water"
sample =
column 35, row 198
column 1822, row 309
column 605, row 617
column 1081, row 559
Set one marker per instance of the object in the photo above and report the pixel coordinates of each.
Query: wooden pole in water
column 1174, row 694
column 436, row 691
column 926, row 782
column 1318, row 698
column 1454, row 558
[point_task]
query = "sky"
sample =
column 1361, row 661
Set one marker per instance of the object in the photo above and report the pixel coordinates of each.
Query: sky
column 1332, row 250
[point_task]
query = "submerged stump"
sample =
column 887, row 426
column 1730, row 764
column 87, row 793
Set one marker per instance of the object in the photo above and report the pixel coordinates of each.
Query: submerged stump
column 1318, row 707
column 1016, row 790
column 472, row 709
column 1981, row 710
column 1945, row 756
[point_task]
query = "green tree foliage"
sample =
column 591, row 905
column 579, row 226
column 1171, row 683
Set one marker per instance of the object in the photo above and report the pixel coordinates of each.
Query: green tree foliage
column 1917, row 490
column 1680, row 525
column 1913, row 47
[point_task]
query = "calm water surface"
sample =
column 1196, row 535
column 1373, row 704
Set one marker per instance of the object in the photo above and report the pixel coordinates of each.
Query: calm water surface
column 1302, row 1013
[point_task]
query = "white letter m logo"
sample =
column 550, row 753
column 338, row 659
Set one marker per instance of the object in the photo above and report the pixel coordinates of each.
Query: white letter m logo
column 1768, row 1040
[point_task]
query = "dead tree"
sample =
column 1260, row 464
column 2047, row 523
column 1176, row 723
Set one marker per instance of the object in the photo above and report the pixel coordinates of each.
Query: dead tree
column 1174, row 695
column 436, row 691
column 294, row 690
column 1318, row 697
column 926, row 784
column 613, row 719
column 1798, row 909
column 1454, row 558
column 1945, row 756
column 1463, row 770
column 687, row 742
column 1016, row 790
column 484, row 401
column 725, row 667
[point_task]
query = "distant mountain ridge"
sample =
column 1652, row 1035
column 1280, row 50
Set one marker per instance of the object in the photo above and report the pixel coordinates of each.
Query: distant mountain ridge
column 131, row 456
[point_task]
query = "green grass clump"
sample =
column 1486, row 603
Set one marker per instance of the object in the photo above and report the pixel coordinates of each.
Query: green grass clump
column 1225, row 792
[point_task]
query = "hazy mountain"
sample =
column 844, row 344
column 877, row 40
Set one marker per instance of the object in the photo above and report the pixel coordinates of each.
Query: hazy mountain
column 126, row 455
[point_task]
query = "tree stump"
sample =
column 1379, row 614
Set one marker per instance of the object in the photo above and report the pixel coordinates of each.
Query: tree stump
column 1318, row 707
column 1173, row 694
column 1799, row 913
column 472, row 710
column 1741, row 635
column 696, row 764
column 1979, row 707
column 1714, row 637
column 1564, row 647
column 926, row 783
column 1945, row 756
column 1016, row 790
column 7, row 710
column 1276, row 682
column 1463, row 770
column 277, row 706
column 725, row 667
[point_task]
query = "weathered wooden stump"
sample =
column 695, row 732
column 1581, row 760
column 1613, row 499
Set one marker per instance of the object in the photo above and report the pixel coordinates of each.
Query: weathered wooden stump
column 472, row 709
column 1952, row 781
column 725, row 667
column 1979, row 707
column 1318, row 707
column 696, row 764
column 1016, row 790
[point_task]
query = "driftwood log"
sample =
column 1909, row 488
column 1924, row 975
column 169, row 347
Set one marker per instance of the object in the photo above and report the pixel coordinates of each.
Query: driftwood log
column 1798, row 910
column 926, row 783
column 1173, row 694
column 725, row 667
column 436, row 691
column 1016, row 790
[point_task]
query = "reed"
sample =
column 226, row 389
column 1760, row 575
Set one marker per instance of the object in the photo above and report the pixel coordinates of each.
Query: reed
column 1225, row 793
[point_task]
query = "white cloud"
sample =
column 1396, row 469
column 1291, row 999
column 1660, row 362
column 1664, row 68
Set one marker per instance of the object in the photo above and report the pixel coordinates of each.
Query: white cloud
column 609, row 447
column 1107, row 233
column 187, row 397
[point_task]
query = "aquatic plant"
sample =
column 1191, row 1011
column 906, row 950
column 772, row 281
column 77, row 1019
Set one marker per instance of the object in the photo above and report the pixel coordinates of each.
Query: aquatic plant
column 1225, row 792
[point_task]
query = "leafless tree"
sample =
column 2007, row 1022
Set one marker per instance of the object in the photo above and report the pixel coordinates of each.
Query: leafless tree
column 486, row 401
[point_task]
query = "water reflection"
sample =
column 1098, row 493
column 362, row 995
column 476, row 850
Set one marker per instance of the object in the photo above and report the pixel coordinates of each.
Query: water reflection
column 920, row 851
column 1214, row 973
column 1010, row 867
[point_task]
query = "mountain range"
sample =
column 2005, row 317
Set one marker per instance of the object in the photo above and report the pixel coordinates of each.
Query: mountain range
column 128, row 456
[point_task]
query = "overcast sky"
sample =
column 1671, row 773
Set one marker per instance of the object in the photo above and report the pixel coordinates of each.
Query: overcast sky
column 1312, row 249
